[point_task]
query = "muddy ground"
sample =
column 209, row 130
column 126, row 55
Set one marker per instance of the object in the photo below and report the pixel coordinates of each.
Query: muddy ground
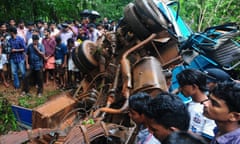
column 14, row 96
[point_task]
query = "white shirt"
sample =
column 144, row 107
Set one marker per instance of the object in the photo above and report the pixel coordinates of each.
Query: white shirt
column 199, row 123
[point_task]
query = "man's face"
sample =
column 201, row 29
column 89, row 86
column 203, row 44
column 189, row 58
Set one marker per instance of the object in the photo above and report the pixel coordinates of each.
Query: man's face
column 3, row 28
column 12, row 22
column 159, row 131
column 135, row 116
column 52, row 26
column 35, row 42
column 216, row 109
column 46, row 33
column 21, row 25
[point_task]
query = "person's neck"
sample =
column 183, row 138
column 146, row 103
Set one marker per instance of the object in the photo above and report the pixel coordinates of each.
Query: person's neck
column 226, row 127
column 199, row 96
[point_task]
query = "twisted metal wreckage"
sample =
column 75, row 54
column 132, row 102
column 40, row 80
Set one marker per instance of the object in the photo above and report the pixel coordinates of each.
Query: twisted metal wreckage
column 150, row 39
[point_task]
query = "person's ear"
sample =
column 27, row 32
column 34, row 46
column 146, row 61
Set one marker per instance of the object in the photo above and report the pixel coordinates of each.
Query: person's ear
column 194, row 86
column 174, row 129
column 234, row 116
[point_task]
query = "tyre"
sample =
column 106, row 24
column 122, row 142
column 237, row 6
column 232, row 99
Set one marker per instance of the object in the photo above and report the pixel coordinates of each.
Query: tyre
column 152, row 16
column 83, row 56
column 134, row 22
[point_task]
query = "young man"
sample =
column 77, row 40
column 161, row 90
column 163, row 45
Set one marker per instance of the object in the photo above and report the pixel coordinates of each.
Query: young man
column 193, row 84
column 34, row 65
column 215, row 75
column 223, row 106
column 3, row 63
column 61, row 62
column 17, row 56
column 49, row 44
column 137, row 102
column 73, row 73
column 165, row 114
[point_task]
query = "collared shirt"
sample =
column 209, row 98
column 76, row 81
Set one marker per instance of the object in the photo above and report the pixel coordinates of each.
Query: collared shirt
column 49, row 45
column 35, row 60
column 232, row 137
column 17, row 43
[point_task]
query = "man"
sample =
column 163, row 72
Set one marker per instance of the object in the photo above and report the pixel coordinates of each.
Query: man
column 93, row 32
column 215, row 75
column 165, row 114
column 61, row 62
column 30, row 28
column 53, row 29
column 49, row 44
column 223, row 106
column 66, row 33
column 17, row 56
column 193, row 84
column 34, row 63
column 137, row 102
column 22, row 30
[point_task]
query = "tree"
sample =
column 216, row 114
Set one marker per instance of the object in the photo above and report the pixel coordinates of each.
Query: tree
column 201, row 14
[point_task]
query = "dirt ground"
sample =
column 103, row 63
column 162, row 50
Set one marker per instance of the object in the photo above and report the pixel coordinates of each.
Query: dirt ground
column 14, row 95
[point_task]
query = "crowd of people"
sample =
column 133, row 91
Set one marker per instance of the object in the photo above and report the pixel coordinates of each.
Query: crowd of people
column 212, row 117
column 35, row 53
column 44, row 50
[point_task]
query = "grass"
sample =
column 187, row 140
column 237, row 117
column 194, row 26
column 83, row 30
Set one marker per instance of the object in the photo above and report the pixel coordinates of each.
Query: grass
column 34, row 101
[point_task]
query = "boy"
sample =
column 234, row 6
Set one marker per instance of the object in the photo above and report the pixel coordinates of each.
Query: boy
column 165, row 114
column 3, row 63
column 73, row 72
column 137, row 102
column 61, row 62
column 34, row 64
column 223, row 106
column 193, row 83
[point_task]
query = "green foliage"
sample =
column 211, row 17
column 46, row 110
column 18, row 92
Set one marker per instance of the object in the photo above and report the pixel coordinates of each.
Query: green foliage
column 58, row 10
column 32, row 101
column 7, row 119
column 200, row 14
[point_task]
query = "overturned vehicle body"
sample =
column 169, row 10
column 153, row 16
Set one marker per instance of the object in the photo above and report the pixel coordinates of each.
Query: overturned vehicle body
column 151, row 40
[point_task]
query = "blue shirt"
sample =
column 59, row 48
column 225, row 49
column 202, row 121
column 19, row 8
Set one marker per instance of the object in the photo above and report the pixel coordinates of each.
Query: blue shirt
column 34, row 59
column 232, row 137
column 17, row 43
column 60, row 52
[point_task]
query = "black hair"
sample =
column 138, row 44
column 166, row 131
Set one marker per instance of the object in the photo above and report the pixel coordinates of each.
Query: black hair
column 70, row 41
column 35, row 37
column 191, row 77
column 12, row 29
column 58, row 39
column 47, row 29
column 20, row 21
column 230, row 93
column 168, row 110
column 139, row 101
column 183, row 137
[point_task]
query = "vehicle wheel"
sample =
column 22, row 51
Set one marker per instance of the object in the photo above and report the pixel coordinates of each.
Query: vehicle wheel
column 83, row 56
column 153, row 18
column 77, row 61
column 134, row 22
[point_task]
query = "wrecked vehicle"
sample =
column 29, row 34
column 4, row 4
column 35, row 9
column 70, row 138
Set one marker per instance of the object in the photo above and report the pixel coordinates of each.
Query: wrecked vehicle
column 150, row 40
